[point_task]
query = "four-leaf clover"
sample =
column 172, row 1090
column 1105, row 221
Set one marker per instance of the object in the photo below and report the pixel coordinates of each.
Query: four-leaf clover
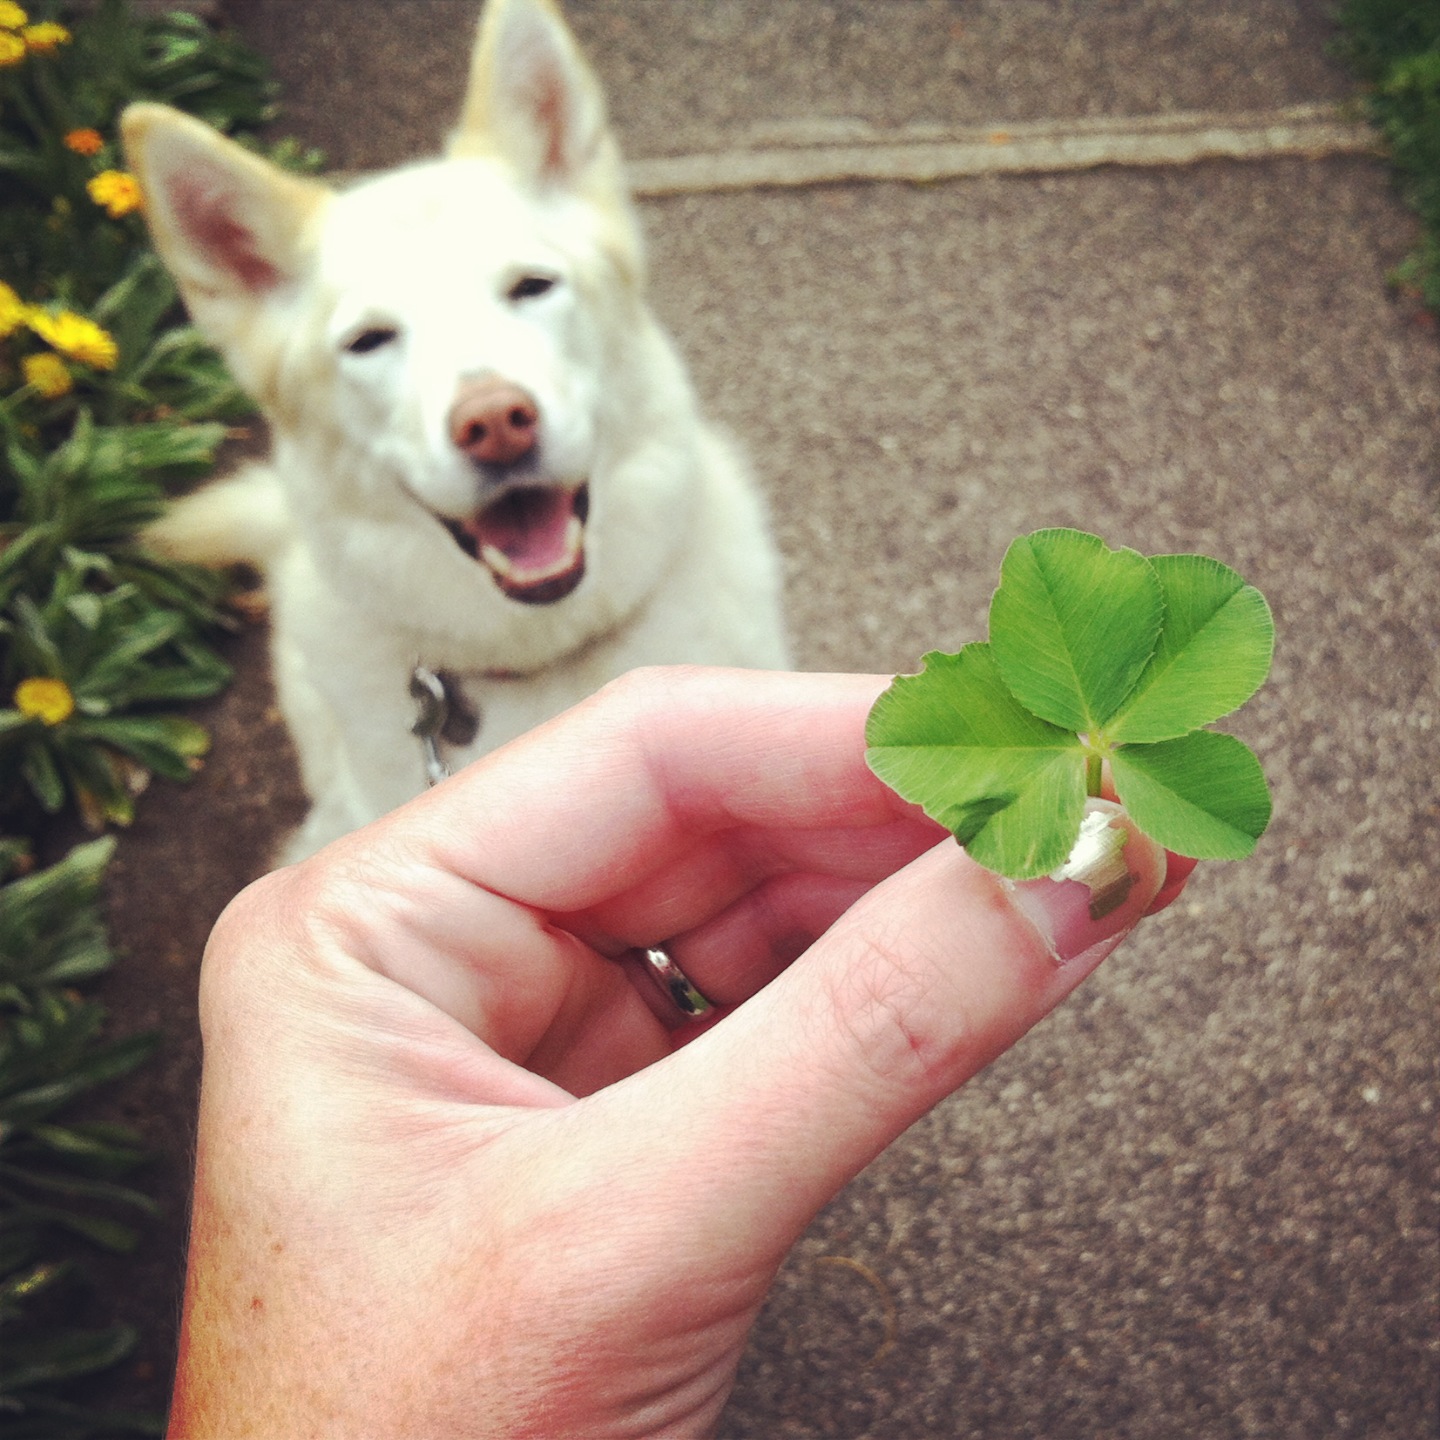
column 1096, row 657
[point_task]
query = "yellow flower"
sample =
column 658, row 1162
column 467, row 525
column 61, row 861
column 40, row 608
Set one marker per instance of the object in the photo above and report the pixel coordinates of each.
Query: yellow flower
column 47, row 374
column 117, row 190
column 13, row 311
column 12, row 49
column 41, row 698
column 43, row 38
column 75, row 336
column 85, row 142
column 12, row 17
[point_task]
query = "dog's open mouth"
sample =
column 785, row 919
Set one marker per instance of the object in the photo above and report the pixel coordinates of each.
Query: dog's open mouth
column 531, row 539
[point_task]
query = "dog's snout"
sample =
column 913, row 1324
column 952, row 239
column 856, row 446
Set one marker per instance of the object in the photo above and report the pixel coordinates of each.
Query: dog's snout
column 494, row 422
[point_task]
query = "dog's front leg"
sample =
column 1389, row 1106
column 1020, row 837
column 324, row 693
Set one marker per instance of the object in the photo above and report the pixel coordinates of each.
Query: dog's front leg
column 344, row 693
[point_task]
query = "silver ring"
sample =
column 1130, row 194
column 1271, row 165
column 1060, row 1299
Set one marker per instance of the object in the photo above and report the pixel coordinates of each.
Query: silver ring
column 676, row 983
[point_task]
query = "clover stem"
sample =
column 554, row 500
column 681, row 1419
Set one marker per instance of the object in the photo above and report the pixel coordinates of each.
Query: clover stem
column 1098, row 747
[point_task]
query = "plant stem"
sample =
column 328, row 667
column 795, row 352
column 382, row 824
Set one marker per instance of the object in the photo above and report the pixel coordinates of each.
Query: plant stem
column 1094, row 773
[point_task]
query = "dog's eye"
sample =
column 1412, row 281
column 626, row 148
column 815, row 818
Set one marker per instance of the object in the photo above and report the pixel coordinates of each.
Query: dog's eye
column 527, row 287
column 372, row 338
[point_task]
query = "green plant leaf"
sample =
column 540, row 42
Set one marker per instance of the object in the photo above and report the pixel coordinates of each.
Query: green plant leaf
column 95, row 1146
column 1213, row 653
column 63, row 1356
column 32, row 1281
column 144, row 634
column 42, row 775
column 70, row 1187
column 1073, row 624
column 1009, row 785
column 95, row 1067
column 163, row 743
column 1202, row 795
column 1096, row 655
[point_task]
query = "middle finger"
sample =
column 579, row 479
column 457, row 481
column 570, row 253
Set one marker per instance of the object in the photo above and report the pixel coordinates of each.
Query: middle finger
column 708, row 877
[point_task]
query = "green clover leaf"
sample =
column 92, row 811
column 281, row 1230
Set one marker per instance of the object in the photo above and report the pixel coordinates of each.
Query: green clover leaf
column 1010, row 786
column 1095, row 656
column 1073, row 624
column 1203, row 794
column 1213, row 653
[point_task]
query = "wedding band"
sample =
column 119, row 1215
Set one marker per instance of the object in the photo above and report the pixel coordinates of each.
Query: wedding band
column 676, row 983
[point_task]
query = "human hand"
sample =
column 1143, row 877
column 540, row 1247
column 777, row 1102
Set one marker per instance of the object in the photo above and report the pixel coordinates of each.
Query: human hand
column 458, row 1174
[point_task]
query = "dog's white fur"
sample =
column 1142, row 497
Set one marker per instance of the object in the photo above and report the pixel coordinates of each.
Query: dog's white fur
column 345, row 521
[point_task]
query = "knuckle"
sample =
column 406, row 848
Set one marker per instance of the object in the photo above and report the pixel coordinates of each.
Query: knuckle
column 903, row 1021
column 280, row 933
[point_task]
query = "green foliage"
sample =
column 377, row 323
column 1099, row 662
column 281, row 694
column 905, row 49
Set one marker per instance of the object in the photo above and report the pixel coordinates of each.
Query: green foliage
column 83, row 84
column 1394, row 47
column 1095, row 657
column 108, row 399
column 114, row 653
column 57, row 1174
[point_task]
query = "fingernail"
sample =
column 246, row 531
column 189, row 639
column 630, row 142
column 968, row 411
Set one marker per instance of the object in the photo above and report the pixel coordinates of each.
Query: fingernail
column 1083, row 902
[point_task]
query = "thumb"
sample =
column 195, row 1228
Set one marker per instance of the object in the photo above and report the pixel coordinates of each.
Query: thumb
column 923, row 982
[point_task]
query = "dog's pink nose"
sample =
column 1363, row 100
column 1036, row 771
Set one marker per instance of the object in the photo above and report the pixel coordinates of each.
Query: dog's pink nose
column 494, row 422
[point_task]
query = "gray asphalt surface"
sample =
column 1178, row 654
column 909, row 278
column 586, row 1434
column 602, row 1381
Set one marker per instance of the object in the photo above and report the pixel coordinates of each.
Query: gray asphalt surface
column 1200, row 1200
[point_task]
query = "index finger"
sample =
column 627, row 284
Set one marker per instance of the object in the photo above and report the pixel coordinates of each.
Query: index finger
column 593, row 803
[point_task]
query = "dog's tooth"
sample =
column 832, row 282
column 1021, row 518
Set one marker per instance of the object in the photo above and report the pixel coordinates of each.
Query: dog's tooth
column 496, row 559
column 574, row 535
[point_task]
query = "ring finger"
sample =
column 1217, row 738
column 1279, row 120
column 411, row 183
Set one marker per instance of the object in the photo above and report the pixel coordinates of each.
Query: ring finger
column 736, row 953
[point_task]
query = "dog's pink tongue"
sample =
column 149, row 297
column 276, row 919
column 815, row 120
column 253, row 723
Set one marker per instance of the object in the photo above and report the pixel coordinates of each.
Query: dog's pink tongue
column 533, row 541
column 532, row 529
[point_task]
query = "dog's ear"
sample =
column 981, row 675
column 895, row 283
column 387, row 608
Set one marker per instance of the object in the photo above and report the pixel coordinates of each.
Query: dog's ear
column 533, row 101
column 232, row 229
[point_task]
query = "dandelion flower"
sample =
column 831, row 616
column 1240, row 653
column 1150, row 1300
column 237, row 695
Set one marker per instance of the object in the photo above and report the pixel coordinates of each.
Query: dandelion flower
column 12, row 49
column 47, row 374
column 45, row 37
column 76, row 337
column 117, row 190
column 12, row 17
column 43, row 698
column 85, row 142
column 14, row 312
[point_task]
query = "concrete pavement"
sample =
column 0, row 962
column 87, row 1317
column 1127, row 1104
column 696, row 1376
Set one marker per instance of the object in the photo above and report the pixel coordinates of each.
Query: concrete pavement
column 1201, row 1199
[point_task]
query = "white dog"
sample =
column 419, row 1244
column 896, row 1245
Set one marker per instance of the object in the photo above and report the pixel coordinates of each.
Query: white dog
column 490, row 489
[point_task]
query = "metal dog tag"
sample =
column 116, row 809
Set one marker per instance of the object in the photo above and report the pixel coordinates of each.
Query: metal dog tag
column 428, row 691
